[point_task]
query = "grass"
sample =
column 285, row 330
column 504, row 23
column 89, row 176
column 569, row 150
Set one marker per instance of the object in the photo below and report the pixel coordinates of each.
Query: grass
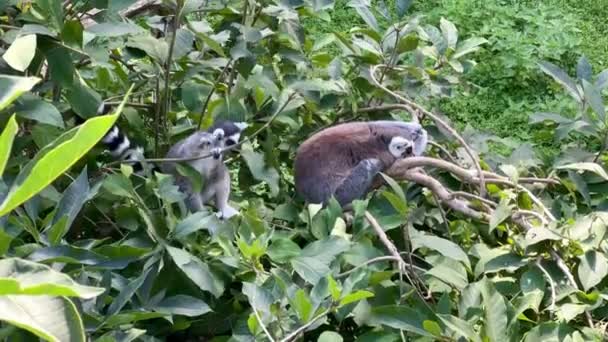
column 507, row 84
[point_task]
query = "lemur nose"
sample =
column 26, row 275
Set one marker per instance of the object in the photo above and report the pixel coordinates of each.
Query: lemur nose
column 408, row 150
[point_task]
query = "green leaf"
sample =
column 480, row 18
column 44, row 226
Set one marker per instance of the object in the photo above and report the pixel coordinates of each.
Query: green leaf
column 586, row 166
column 61, row 67
column 592, row 269
column 182, row 305
column 155, row 48
column 54, row 319
column 127, row 293
column 197, row 271
column 68, row 254
column 408, row 43
column 583, row 69
column 23, row 277
column 13, row 86
column 562, row 78
column 34, row 108
column 330, row 336
column 259, row 169
column 193, row 223
column 593, row 96
column 301, row 303
column 48, row 165
column 468, row 46
column 569, row 311
column 114, row 29
column 6, row 142
column 355, row 297
column 432, row 327
column 83, row 100
column 501, row 213
column 53, row 11
column 282, row 250
column 363, row 10
column 402, row 7
column 195, row 178
column 72, row 201
column 310, row 269
column 398, row 317
column 495, row 313
column 445, row 247
column 21, row 52
column 460, row 327
column 450, row 34
column 449, row 271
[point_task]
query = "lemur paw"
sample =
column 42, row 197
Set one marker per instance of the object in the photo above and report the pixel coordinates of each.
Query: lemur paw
column 217, row 152
column 227, row 213
column 372, row 164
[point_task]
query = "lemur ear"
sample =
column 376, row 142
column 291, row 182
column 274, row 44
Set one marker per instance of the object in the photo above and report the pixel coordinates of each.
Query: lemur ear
column 241, row 125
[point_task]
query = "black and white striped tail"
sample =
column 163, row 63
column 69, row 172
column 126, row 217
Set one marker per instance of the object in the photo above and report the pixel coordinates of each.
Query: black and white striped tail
column 119, row 146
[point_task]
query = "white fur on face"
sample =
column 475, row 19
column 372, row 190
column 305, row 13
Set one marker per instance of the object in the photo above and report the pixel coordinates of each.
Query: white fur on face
column 398, row 146
column 218, row 133
column 111, row 136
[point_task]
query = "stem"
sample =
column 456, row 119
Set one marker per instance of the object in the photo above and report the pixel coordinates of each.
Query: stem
column 296, row 332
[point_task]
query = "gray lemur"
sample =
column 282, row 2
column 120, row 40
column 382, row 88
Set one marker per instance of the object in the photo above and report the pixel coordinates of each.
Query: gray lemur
column 215, row 175
column 346, row 159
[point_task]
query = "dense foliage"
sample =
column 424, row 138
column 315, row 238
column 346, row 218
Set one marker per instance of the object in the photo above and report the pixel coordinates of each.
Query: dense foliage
column 93, row 251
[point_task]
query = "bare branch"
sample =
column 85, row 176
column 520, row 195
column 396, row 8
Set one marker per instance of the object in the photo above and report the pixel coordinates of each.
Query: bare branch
column 437, row 119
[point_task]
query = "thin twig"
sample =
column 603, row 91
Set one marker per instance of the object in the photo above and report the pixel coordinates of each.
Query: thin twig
column 257, row 315
column 301, row 329
column 215, row 83
column 208, row 155
column 394, row 252
column 551, row 284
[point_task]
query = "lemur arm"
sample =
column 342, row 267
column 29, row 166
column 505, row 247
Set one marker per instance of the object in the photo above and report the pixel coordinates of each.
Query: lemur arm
column 357, row 183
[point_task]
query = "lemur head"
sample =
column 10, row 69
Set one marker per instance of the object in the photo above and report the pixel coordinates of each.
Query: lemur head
column 400, row 147
column 228, row 131
column 403, row 139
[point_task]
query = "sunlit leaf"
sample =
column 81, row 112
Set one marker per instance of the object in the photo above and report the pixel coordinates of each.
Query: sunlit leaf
column 592, row 269
column 54, row 319
column 13, row 86
column 6, row 142
column 21, row 52
column 57, row 158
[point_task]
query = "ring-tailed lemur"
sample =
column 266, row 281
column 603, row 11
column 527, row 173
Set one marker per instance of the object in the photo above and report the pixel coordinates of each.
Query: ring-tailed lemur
column 344, row 160
column 215, row 174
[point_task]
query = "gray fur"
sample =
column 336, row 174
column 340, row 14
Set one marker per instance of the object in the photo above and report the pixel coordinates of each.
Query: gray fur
column 358, row 182
column 345, row 160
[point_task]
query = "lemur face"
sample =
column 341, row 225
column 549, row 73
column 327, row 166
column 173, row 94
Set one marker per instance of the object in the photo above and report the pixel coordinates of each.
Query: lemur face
column 400, row 147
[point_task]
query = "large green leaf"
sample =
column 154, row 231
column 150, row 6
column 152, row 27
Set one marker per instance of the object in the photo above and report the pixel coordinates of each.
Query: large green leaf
column 50, row 164
column 398, row 317
column 586, row 166
column 182, row 305
column 259, row 169
column 592, row 269
column 22, row 277
column 443, row 246
column 54, row 319
column 13, row 86
column 6, row 142
column 197, row 271
column 34, row 108
column 21, row 52
column 495, row 311
column 460, row 327
column 562, row 78
column 71, row 202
